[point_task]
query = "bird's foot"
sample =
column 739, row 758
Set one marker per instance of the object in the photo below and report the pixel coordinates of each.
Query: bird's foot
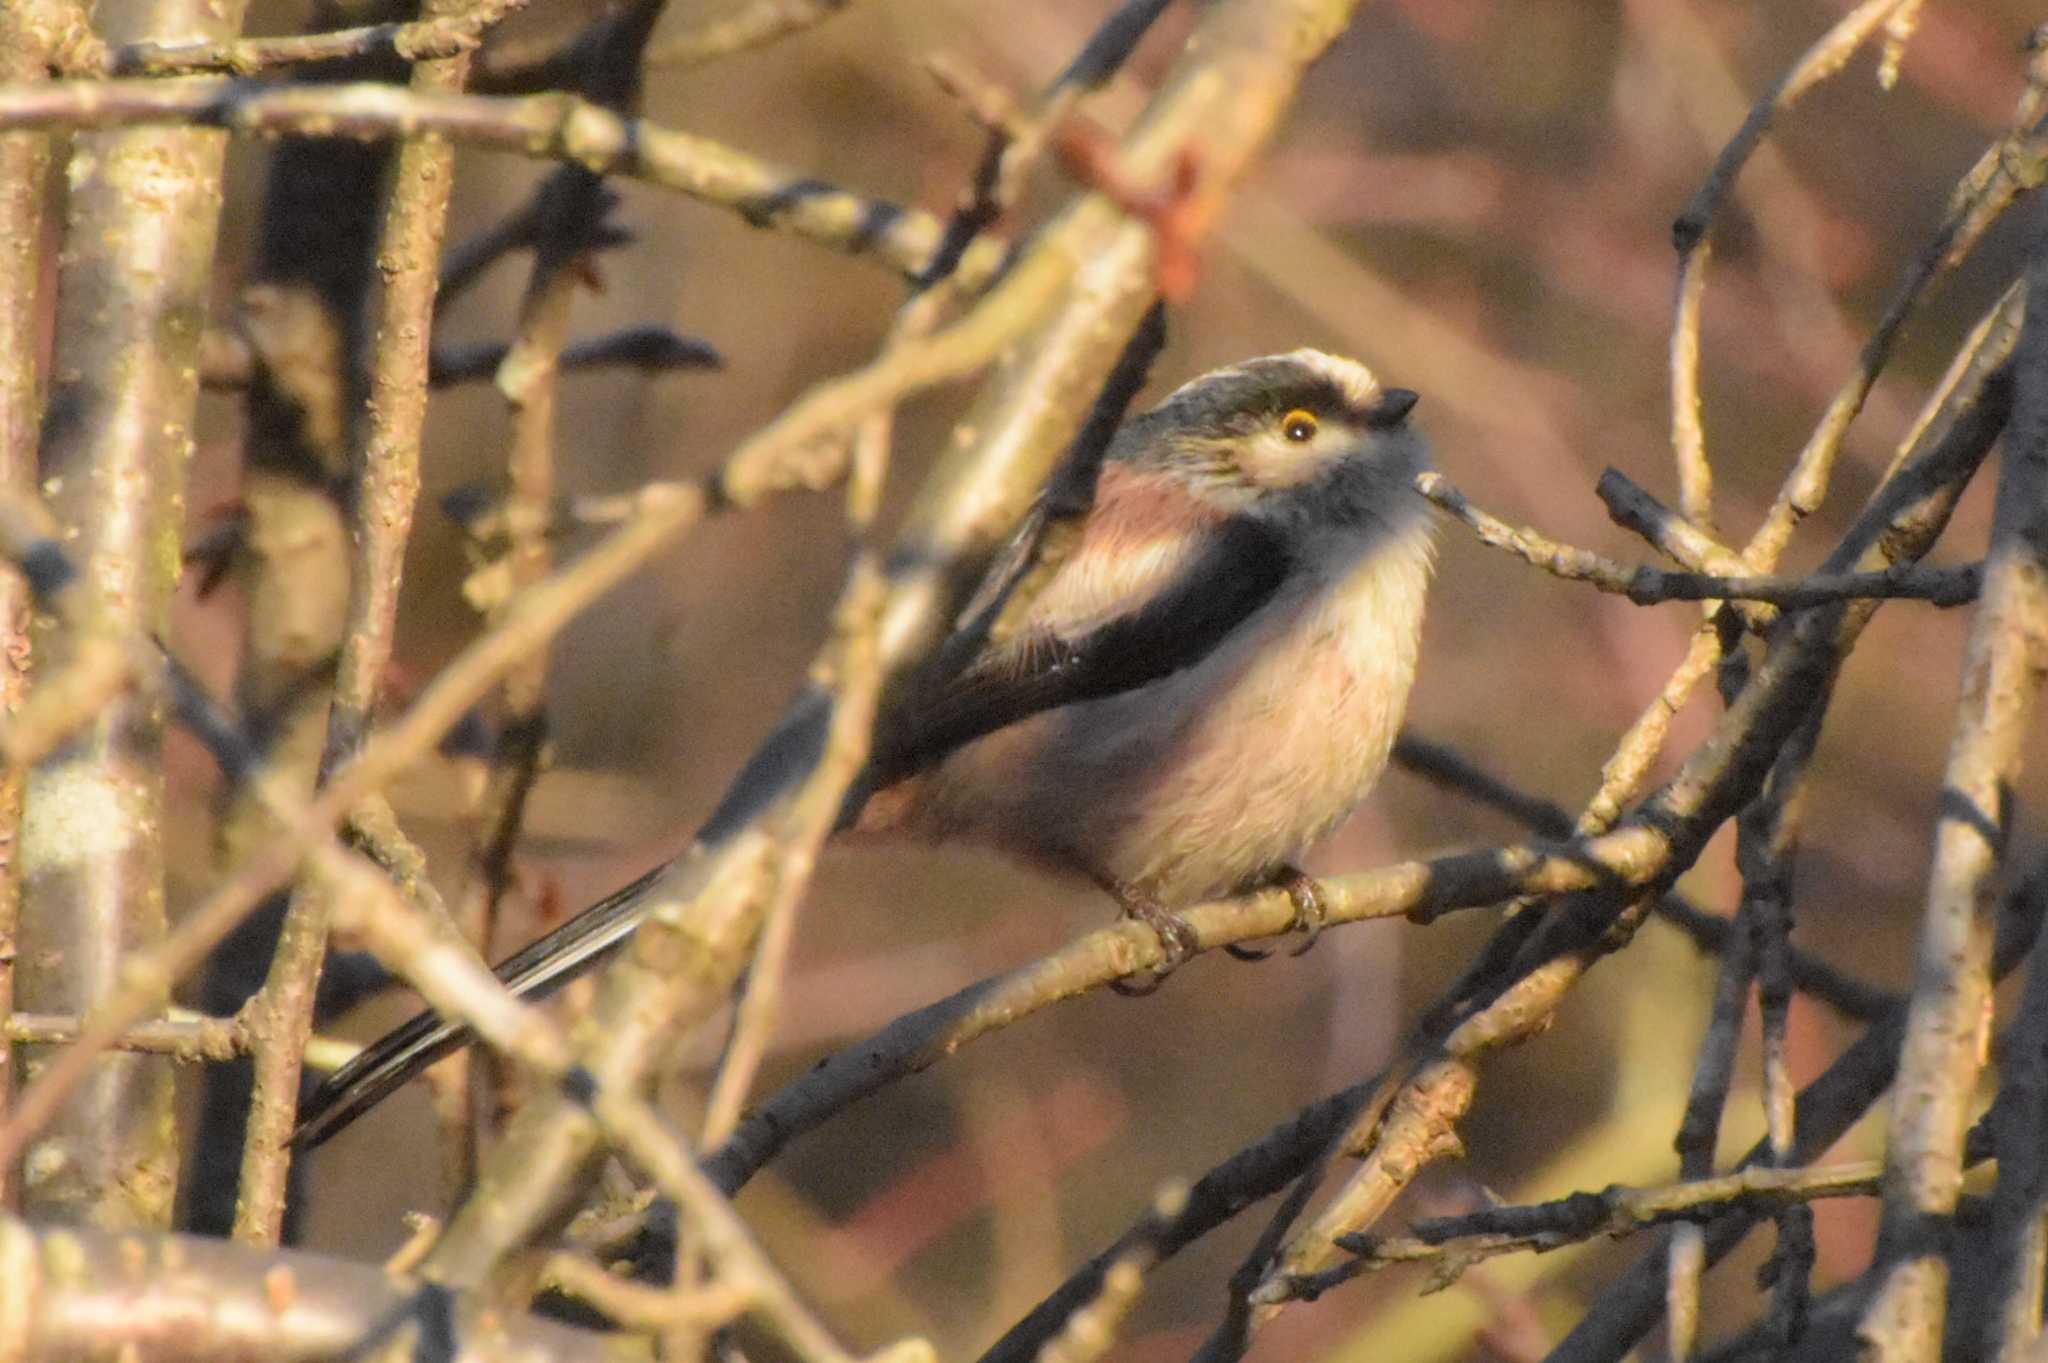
column 1309, row 915
column 1177, row 940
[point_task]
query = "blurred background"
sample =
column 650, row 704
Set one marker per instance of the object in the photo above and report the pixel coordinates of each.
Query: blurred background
column 1472, row 196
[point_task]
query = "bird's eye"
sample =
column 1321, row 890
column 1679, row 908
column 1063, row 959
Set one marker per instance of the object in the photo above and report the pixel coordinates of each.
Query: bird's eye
column 1299, row 426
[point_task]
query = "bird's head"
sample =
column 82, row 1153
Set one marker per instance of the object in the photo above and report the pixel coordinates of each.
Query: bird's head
column 1305, row 439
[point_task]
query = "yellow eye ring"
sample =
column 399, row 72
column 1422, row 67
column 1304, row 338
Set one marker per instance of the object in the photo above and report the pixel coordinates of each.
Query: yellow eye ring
column 1299, row 426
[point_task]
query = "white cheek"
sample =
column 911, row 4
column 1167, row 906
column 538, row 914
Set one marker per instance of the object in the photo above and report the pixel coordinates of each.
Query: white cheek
column 1272, row 460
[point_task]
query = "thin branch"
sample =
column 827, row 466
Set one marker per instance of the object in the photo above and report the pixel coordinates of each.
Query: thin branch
column 1854, row 999
column 1983, row 351
column 1420, row 891
column 640, row 1307
column 759, row 23
column 649, row 1001
column 1632, row 508
column 2010, row 164
column 1457, row 1242
column 1950, row 1010
column 1825, row 58
column 567, row 223
column 631, row 1126
column 1699, row 1129
column 1695, row 247
column 1688, row 431
column 179, row 1035
column 1645, row 585
column 387, row 480
column 451, row 34
column 546, row 127
column 1090, row 1329
column 1767, row 843
column 527, row 380
column 2015, row 164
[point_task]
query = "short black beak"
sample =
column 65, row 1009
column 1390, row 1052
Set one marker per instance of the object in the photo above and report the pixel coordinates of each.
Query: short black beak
column 1392, row 407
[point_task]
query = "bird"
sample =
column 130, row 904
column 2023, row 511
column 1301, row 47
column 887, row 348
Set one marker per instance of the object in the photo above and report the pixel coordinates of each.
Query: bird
column 1200, row 681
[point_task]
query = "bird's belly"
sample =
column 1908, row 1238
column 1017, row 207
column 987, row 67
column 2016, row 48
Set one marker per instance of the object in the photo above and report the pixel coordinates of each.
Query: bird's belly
column 1207, row 781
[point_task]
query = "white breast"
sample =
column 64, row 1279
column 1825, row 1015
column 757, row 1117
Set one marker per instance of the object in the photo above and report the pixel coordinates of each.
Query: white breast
column 1206, row 781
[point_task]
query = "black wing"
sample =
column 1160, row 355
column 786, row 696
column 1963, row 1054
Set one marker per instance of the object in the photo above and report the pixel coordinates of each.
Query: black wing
column 1222, row 586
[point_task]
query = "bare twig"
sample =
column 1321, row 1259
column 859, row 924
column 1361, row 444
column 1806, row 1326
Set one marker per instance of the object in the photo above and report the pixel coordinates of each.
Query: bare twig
column 1700, row 1129
column 179, row 1035
column 1645, row 585
column 756, row 25
column 1852, row 998
column 452, row 34
column 1456, row 1242
column 2009, row 167
column 1822, row 60
column 1634, row 509
column 527, row 379
column 568, row 225
column 280, row 1017
column 1691, row 236
column 1768, row 838
column 1090, row 1330
column 546, row 127
column 1946, row 1027
column 640, row 1137
column 1417, row 890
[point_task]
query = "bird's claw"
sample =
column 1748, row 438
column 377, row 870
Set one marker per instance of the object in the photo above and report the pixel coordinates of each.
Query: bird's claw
column 1177, row 941
column 1309, row 914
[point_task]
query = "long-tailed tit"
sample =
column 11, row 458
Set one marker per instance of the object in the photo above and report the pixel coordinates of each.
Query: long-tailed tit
column 1205, row 681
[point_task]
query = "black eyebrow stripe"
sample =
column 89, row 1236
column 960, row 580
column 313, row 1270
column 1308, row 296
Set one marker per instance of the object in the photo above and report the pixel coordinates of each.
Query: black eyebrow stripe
column 1224, row 405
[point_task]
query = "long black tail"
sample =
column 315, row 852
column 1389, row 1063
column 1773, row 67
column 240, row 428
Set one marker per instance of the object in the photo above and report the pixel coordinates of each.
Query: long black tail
column 576, row 946
column 538, row 970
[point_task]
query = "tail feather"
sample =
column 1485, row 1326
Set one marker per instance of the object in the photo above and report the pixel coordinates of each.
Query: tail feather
column 535, row 972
